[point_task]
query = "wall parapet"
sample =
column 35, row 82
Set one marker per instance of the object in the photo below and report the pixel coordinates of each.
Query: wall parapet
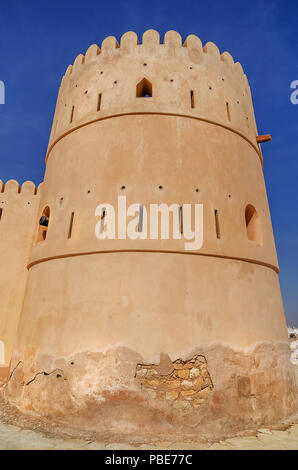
column 151, row 39
column 13, row 187
column 185, row 78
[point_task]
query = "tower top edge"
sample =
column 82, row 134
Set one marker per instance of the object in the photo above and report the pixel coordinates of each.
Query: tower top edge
column 151, row 41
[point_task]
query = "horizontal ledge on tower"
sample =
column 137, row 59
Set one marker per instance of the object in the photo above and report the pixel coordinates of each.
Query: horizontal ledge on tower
column 153, row 251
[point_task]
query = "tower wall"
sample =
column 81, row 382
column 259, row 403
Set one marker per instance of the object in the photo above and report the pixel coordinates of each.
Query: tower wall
column 110, row 314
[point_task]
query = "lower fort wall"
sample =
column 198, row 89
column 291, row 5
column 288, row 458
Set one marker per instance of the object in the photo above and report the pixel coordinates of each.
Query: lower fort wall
column 182, row 361
column 19, row 210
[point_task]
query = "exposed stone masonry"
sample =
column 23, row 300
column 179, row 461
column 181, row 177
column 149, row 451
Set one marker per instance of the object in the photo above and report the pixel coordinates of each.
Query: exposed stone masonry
column 187, row 385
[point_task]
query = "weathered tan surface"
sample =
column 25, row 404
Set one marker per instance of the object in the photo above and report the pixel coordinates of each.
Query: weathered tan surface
column 31, row 436
column 284, row 436
column 217, row 391
column 94, row 310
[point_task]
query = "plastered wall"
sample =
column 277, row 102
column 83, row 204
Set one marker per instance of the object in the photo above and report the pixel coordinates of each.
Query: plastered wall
column 18, row 209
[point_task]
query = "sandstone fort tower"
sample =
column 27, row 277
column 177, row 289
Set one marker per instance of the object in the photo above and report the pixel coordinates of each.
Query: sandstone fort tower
column 140, row 335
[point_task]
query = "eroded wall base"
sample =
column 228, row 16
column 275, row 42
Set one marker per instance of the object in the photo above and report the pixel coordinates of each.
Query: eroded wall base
column 212, row 392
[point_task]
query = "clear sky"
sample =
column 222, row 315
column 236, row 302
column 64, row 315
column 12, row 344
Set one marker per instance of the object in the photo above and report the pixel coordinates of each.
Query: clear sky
column 38, row 39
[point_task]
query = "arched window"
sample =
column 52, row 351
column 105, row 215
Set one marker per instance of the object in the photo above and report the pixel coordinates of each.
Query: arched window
column 144, row 89
column 43, row 224
column 253, row 224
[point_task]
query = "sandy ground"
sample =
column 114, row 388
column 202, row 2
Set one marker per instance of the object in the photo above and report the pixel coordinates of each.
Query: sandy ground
column 15, row 438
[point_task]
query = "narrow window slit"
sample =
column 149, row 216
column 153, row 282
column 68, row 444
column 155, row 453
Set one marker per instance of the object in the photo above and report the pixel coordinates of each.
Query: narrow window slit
column 180, row 219
column 228, row 111
column 1, row 211
column 99, row 102
column 217, row 224
column 70, row 225
column 72, row 113
column 141, row 213
column 192, row 99
column 102, row 222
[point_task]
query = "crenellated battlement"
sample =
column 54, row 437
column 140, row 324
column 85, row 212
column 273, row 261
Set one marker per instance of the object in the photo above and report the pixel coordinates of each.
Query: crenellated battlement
column 186, row 79
column 28, row 188
column 151, row 39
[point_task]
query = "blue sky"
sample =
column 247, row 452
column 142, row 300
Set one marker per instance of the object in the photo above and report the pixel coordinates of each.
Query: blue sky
column 38, row 39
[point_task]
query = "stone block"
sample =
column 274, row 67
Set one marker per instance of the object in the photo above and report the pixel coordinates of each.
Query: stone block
column 200, row 382
column 195, row 372
column 188, row 393
column 183, row 374
column 172, row 395
column 153, row 383
column 187, row 383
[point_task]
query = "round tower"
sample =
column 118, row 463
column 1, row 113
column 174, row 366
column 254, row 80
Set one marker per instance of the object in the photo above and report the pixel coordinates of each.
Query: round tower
column 142, row 335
